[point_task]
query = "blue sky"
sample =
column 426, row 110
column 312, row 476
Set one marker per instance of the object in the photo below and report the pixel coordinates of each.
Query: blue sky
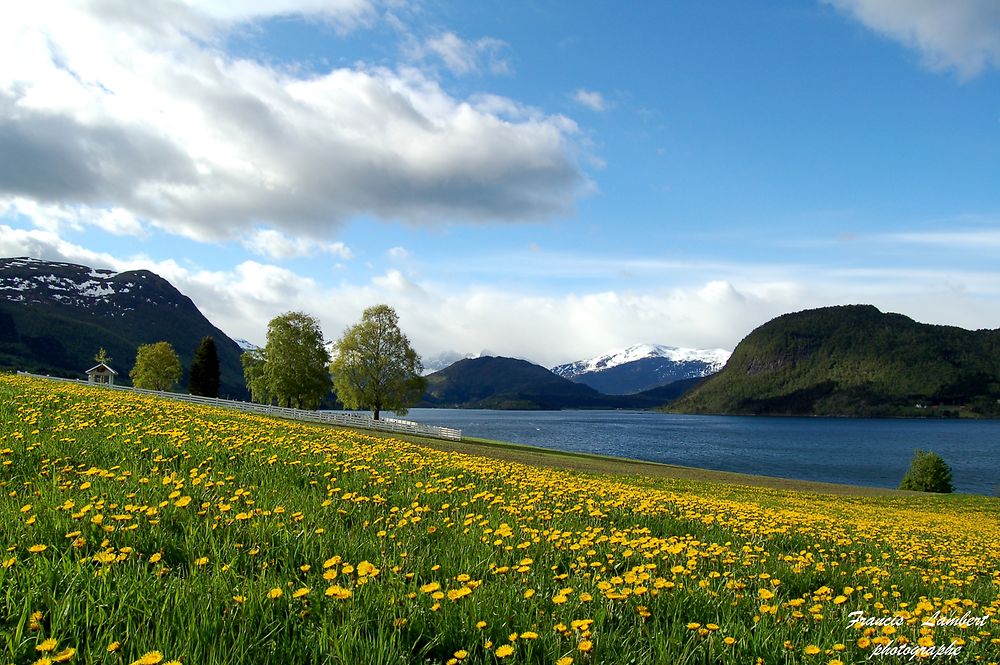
column 543, row 180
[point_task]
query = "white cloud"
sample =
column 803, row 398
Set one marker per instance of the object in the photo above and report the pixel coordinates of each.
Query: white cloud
column 462, row 56
column 398, row 253
column 959, row 35
column 56, row 217
column 276, row 245
column 346, row 14
column 592, row 99
column 109, row 106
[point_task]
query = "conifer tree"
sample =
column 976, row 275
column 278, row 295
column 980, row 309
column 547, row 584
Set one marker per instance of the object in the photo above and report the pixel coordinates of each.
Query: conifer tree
column 204, row 379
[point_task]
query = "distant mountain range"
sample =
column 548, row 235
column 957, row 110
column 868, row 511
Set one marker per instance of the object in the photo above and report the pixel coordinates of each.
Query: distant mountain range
column 55, row 316
column 643, row 367
column 491, row 382
column 855, row 361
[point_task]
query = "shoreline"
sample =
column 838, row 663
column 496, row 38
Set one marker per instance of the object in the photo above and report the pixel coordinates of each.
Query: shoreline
column 622, row 466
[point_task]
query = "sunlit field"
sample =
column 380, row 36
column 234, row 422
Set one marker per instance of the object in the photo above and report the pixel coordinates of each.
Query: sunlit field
column 138, row 530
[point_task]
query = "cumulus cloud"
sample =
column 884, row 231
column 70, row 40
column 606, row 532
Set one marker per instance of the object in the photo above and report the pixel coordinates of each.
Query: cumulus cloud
column 592, row 99
column 113, row 107
column 958, row 35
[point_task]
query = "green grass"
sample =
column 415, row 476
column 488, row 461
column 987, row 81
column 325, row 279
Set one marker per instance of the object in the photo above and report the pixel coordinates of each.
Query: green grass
column 204, row 512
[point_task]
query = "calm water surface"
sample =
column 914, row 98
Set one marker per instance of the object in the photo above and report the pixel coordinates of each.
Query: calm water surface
column 837, row 450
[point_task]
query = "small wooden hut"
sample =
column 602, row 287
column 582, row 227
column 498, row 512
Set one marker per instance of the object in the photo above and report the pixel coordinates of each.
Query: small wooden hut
column 101, row 373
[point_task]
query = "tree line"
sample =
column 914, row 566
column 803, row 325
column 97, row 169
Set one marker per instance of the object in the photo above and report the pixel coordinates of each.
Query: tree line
column 374, row 366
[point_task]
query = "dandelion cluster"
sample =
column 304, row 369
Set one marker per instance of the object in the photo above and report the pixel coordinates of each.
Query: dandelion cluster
column 137, row 530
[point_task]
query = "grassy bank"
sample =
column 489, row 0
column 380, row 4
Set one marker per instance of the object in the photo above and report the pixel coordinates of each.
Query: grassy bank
column 137, row 528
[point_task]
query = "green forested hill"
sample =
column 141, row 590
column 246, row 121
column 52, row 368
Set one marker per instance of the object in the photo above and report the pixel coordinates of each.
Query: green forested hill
column 55, row 316
column 855, row 360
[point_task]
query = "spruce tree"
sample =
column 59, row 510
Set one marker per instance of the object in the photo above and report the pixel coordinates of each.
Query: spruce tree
column 204, row 379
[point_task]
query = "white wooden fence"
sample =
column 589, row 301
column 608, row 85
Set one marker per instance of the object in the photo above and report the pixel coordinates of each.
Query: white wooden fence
column 348, row 419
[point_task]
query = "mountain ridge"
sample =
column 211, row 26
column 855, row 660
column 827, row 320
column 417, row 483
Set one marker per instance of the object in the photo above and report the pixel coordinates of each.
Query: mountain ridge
column 54, row 316
column 854, row 360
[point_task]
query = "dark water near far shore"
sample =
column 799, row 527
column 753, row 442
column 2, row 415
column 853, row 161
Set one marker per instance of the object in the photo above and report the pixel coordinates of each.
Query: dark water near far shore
column 858, row 451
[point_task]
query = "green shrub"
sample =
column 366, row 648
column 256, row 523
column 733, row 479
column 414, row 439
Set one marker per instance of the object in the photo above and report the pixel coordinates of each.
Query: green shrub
column 928, row 473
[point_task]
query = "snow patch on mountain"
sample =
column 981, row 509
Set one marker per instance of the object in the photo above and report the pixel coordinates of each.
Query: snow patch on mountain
column 246, row 345
column 713, row 359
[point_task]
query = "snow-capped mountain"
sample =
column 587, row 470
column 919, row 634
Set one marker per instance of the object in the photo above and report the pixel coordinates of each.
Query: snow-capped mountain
column 642, row 367
column 445, row 359
column 33, row 281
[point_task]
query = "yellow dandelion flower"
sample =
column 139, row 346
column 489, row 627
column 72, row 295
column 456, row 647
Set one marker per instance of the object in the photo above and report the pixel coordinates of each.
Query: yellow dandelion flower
column 430, row 587
column 201, row 561
column 337, row 592
column 503, row 651
column 585, row 646
column 461, row 654
column 155, row 558
column 64, row 655
column 694, row 625
column 366, row 569
column 565, row 660
column 304, row 591
column 275, row 593
column 149, row 658
column 811, row 650
column 47, row 645
column 182, row 502
column 114, row 646
column 729, row 641
column 36, row 549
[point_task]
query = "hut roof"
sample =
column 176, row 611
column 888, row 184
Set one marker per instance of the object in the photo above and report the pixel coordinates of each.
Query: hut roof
column 98, row 367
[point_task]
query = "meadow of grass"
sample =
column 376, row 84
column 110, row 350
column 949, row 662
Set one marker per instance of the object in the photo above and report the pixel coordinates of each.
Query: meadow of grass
column 139, row 530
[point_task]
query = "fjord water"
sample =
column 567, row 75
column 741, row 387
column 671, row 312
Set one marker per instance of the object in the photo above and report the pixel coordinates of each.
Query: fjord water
column 858, row 451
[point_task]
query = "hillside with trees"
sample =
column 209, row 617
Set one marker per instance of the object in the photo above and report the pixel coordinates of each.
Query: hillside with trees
column 855, row 361
column 55, row 316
